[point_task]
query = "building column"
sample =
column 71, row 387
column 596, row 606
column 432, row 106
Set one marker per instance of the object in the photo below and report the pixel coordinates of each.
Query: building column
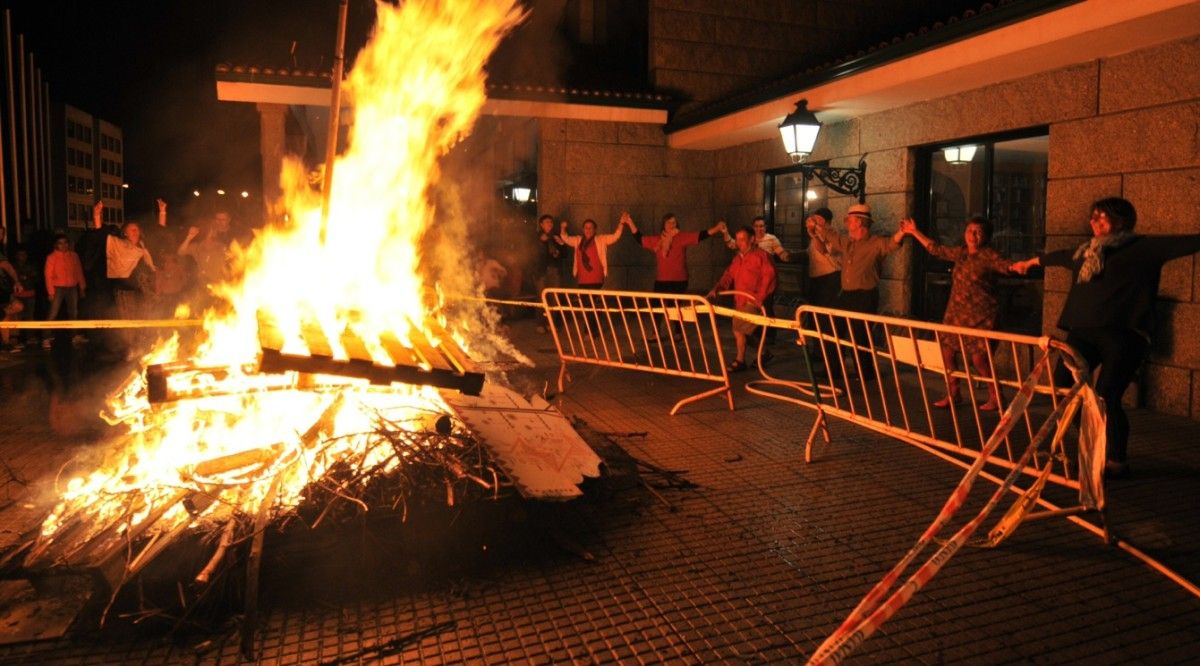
column 272, row 146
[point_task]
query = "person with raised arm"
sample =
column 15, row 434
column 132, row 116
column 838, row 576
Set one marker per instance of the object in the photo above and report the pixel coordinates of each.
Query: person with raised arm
column 591, row 251
column 974, row 300
column 669, row 247
column 130, row 270
column 862, row 254
column 751, row 272
column 1109, row 311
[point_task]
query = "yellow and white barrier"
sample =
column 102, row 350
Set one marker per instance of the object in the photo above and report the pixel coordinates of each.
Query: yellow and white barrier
column 667, row 334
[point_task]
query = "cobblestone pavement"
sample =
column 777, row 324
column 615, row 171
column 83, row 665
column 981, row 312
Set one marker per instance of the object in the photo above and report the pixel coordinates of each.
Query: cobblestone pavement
column 757, row 564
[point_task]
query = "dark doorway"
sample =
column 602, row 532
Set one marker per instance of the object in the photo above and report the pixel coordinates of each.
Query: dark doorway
column 1002, row 178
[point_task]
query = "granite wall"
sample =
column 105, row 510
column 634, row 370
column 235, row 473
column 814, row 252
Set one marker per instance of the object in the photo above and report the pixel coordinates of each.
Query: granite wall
column 1126, row 126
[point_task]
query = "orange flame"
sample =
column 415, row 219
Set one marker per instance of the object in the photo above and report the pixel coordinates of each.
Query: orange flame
column 415, row 91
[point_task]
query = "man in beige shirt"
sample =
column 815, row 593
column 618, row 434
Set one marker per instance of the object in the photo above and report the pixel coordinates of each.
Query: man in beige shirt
column 862, row 253
column 824, row 267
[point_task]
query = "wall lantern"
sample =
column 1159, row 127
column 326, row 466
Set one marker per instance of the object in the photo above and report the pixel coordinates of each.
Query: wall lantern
column 959, row 154
column 799, row 132
column 519, row 188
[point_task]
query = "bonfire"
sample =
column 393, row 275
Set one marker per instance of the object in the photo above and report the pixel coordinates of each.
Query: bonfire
column 337, row 369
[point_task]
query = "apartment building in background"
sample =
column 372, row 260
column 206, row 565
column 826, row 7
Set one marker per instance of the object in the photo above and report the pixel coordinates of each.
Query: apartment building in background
column 56, row 160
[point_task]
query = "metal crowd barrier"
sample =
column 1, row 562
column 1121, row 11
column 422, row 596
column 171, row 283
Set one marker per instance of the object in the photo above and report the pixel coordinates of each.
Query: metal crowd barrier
column 885, row 373
column 667, row 334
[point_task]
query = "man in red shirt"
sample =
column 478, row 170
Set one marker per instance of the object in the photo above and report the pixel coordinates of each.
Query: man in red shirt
column 64, row 279
column 750, row 272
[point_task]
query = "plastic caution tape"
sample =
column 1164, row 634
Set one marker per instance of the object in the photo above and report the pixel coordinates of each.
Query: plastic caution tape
column 875, row 609
column 104, row 323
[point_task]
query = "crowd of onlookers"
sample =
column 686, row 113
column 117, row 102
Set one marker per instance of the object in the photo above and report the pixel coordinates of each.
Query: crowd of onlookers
column 130, row 272
column 1108, row 315
column 123, row 272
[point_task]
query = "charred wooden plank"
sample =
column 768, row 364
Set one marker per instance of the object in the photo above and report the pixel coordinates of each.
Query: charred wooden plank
column 355, row 347
column 421, row 362
column 470, row 383
column 208, row 382
column 315, row 340
column 398, row 351
column 428, row 351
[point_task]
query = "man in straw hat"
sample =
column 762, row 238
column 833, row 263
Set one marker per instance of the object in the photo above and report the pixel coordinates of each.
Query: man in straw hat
column 862, row 253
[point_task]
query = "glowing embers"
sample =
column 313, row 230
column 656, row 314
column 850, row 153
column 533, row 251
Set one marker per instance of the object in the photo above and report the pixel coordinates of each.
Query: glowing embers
column 425, row 356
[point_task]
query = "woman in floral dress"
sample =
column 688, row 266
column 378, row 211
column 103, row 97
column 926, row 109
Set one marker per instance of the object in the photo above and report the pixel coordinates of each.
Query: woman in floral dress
column 973, row 300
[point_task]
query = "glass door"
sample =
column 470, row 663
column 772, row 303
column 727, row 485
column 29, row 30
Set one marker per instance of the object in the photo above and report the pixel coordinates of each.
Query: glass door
column 788, row 199
column 1002, row 178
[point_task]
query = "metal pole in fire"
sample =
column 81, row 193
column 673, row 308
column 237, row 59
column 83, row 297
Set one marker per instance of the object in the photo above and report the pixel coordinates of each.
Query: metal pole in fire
column 335, row 107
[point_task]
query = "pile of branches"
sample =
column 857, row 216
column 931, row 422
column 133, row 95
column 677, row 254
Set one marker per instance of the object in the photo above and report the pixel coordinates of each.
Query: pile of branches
column 218, row 547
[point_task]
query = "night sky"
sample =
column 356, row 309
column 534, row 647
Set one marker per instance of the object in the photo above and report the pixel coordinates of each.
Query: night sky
column 148, row 67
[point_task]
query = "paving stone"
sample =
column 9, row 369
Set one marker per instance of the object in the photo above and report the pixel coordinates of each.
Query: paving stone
column 762, row 560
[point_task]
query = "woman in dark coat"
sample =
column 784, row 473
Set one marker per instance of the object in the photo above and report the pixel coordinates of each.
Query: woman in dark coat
column 1109, row 312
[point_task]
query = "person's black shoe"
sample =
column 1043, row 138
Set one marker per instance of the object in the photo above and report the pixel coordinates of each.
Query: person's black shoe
column 737, row 366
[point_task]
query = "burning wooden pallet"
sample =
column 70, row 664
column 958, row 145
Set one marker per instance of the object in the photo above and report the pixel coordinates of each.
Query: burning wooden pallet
column 428, row 360
column 422, row 362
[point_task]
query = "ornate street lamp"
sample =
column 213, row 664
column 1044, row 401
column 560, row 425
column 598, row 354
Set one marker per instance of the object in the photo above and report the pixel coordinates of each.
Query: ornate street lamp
column 799, row 132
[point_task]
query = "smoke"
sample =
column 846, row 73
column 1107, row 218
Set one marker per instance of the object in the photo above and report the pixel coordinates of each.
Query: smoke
column 453, row 262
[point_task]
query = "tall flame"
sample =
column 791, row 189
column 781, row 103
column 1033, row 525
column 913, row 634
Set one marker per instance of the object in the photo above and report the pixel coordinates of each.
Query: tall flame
column 415, row 91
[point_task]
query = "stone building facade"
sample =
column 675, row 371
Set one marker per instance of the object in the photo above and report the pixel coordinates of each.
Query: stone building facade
column 1120, row 126
column 1116, row 86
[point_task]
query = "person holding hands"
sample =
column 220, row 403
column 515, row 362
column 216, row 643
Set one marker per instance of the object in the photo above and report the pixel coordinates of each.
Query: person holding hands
column 862, row 255
column 974, row 300
column 1109, row 312
column 669, row 246
column 591, row 251
column 751, row 272
column 824, row 267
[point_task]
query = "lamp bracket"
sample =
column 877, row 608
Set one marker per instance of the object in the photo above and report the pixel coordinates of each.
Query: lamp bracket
column 851, row 181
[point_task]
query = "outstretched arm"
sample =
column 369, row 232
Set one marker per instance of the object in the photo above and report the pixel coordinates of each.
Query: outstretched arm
column 98, row 215
column 718, row 228
column 626, row 219
column 186, row 246
column 1022, row 267
column 162, row 212
column 565, row 238
column 909, row 226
